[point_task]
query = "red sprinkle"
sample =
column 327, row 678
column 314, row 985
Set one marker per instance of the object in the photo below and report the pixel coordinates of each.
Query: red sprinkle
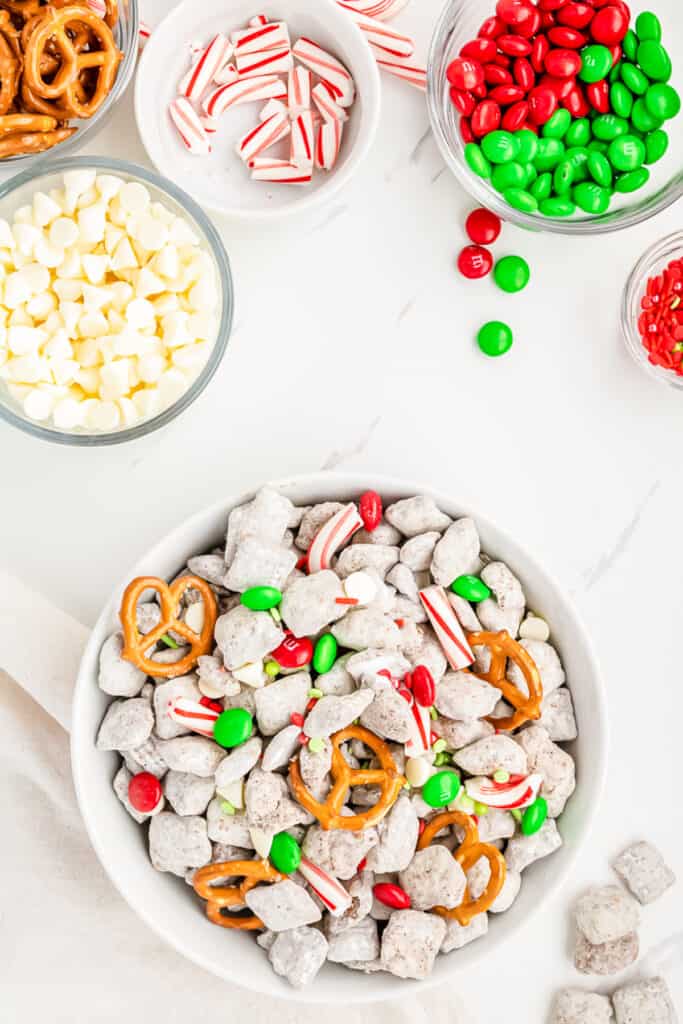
column 660, row 323
column 296, row 719
column 421, row 826
column 362, row 864
column 213, row 704
column 346, row 600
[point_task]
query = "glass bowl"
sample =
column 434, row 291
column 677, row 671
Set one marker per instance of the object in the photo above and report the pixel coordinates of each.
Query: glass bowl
column 18, row 192
column 460, row 22
column 127, row 36
column 653, row 261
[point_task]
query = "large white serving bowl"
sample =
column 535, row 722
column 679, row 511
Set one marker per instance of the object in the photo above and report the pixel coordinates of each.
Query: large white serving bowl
column 171, row 908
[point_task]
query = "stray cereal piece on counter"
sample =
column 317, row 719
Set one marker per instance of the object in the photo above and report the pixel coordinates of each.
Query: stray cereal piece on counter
column 644, row 1002
column 606, row 957
column 643, row 870
column 575, row 1006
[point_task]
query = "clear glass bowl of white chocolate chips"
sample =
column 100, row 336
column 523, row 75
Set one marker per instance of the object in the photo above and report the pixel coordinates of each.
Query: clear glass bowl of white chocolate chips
column 116, row 301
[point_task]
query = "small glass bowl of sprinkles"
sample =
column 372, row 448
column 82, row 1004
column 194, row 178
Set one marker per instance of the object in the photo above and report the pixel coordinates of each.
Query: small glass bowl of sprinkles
column 560, row 115
column 652, row 311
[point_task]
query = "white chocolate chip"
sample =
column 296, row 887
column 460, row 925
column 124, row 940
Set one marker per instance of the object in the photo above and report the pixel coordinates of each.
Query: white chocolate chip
column 534, row 628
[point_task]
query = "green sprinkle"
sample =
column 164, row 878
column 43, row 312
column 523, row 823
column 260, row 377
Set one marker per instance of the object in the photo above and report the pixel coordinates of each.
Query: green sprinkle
column 501, row 775
column 271, row 668
column 439, row 746
column 441, row 759
column 316, row 693
column 227, row 807
column 275, row 614
column 316, row 745
column 169, row 641
column 480, row 809
column 516, row 814
column 433, row 714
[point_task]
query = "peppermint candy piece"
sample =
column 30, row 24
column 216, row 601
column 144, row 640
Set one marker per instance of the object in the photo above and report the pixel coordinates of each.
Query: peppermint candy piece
column 190, row 127
column 211, row 61
column 327, row 887
column 263, row 136
column 332, row 535
column 400, row 68
column 418, row 744
column 519, row 791
column 447, row 628
column 265, row 87
column 326, row 67
column 193, row 715
column 386, row 39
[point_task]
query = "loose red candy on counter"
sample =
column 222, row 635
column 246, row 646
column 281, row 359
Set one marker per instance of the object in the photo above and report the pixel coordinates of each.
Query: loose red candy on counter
column 391, row 895
column 370, row 509
column 293, row 652
column 144, row 792
column 474, row 261
column 424, row 689
column 486, row 117
column 610, row 24
column 465, row 74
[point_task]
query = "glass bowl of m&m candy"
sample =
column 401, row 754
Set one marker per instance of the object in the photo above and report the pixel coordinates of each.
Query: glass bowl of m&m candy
column 561, row 115
column 652, row 311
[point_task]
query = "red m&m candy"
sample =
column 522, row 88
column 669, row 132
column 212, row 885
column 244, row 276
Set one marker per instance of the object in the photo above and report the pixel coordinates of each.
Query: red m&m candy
column 293, row 652
column 465, row 73
column 609, row 26
column 424, row 689
column 370, row 508
column 144, row 792
column 391, row 895
column 474, row 261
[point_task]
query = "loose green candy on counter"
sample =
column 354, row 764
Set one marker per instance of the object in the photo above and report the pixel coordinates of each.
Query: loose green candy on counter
column 471, row 588
column 261, row 599
column 285, row 853
column 662, row 101
column 629, row 45
column 642, row 119
column 557, row 206
column 632, row 180
column 494, row 338
column 578, row 133
column 563, row 177
column 534, row 816
column 528, row 145
column 233, row 727
column 609, row 126
column 325, row 653
column 510, row 175
column 600, row 169
column 656, row 145
column 596, row 62
column 654, row 60
column 521, row 200
column 621, row 99
column 626, row 153
column 591, row 198
column 648, row 26
column 634, row 79
column 511, row 273
column 550, row 152
column 441, row 789
column 476, row 161
column 556, row 126
column 500, row 147
column 542, row 187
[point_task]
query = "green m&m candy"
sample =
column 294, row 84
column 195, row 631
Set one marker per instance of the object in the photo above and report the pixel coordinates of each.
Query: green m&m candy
column 578, row 133
column 510, row 175
column 648, row 26
column 285, row 853
column 441, row 789
column 233, row 727
column 534, row 816
column 608, row 126
column 325, row 653
column 662, row 101
column 621, row 99
column 634, row 79
column 261, row 599
column 557, row 125
column 557, row 206
column 592, row 198
column 563, row 177
column 632, row 180
column 626, row 153
column 656, row 145
column 654, row 60
column 476, row 161
column 521, row 200
column 596, row 63
column 599, row 169
column 471, row 588
column 642, row 119
column 500, row 147
column 494, row 338
column 511, row 273
column 550, row 152
column 542, row 186
column 528, row 145
column 629, row 45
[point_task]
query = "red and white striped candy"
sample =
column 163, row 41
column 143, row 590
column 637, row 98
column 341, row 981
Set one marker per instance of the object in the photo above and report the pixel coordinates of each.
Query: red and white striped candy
column 447, row 628
column 333, row 534
column 98, row 7
column 189, row 126
column 519, row 791
column 263, row 136
column 272, row 107
column 211, row 61
column 303, row 139
column 281, row 171
column 228, row 73
column 331, row 892
column 243, row 91
column 323, row 97
column 299, row 90
column 272, row 62
column 402, row 69
column 381, row 9
column 209, row 124
column 274, row 35
column 326, row 67
column 193, row 715
column 328, row 144
column 418, row 744
column 144, row 34
column 386, row 39
column 258, row 19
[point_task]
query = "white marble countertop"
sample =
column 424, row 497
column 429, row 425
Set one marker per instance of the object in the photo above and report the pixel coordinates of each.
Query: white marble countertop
column 353, row 347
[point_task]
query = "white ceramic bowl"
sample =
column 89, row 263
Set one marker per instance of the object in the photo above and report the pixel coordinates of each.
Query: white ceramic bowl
column 220, row 181
column 170, row 907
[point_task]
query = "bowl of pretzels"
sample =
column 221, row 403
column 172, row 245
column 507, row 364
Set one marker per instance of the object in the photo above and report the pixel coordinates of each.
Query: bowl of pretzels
column 63, row 66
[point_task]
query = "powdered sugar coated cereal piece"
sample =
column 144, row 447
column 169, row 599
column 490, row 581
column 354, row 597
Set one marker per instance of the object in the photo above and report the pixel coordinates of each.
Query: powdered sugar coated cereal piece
column 310, row 603
column 458, row 935
column 554, row 764
column 389, row 715
column 245, row 636
column 298, row 954
column 464, row 696
column 574, row 1006
column 313, row 520
column 457, row 553
column 462, row 734
column 126, row 724
column 282, row 906
column 643, row 870
column 557, row 716
column 256, row 564
column 228, row 829
column 268, row 804
column 330, row 714
column 488, row 755
column 410, row 943
column 338, row 851
column 187, row 793
column 165, row 695
column 433, row 878
column 276, row 702
column 195, row 754
column 417, row 552
column 606, row 913
column 494, row 619
column 357, row 557
column 548, row 663
column 644, row 1002
column 118, row 677
column 522, row 851
column 238, row 762
column 360, row 942
column 176, row 843
column 412, row 516
column 478, row 878
column 366, row 627
column 506, row 588
column 607, row 957
column 281, row 748
column 398, row 833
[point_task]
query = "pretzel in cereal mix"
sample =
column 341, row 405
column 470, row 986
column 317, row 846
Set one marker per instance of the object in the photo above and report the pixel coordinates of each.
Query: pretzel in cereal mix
column 311, row 784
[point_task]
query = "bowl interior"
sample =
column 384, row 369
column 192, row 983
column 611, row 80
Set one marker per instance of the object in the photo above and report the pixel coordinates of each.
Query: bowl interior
column 460, row 22
column 19, row 191
column 221, row 181
column 169, row 906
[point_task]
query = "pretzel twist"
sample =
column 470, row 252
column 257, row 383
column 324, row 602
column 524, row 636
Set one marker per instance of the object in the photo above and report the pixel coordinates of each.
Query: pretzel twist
column 503, row 647
column 220, row 896
column 135, row 644
column 387, row 777
column 467, row 855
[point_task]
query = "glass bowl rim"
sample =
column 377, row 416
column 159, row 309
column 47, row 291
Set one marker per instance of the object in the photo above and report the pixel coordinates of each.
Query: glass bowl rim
column 476, row 187
column 88, row 129
column 215, row 243
column 635, row 284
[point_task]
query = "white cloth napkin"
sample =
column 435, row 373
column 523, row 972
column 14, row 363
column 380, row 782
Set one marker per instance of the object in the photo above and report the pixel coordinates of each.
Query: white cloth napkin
column 71, row 950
